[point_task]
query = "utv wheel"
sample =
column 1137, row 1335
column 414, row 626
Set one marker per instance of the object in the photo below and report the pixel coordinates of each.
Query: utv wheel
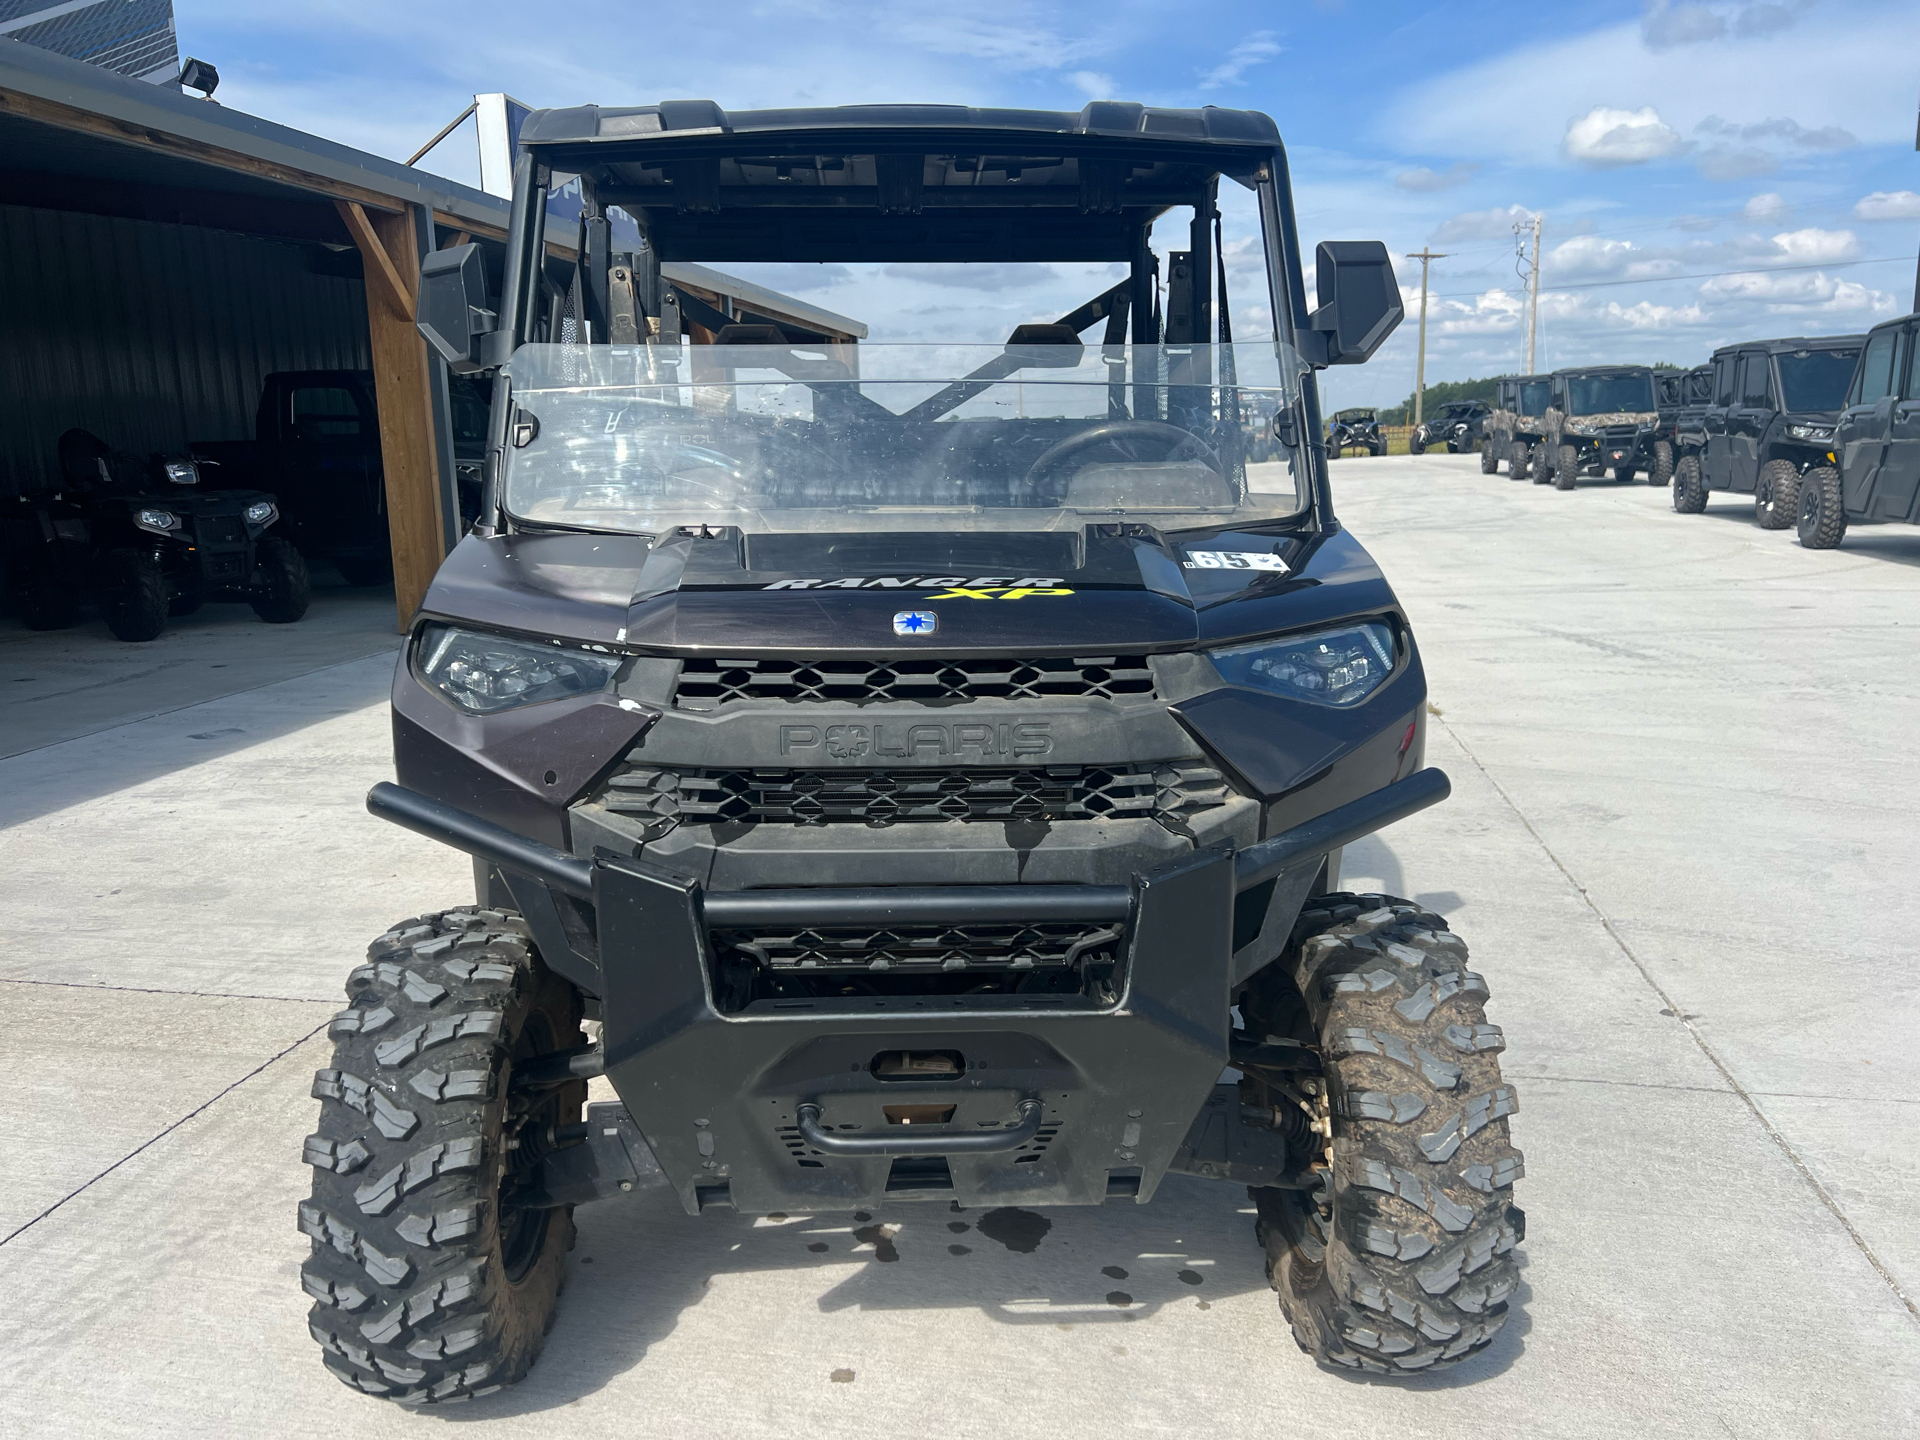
column 1403, row 1259
column 1416, row 446
column 47, row 598
column 1489, row 462
column 1776, row 498
column 1823, row 514
column 1662, row 471
column 134, row 604
column 280, row 588
column 429, row 1283
column 1566, row 469
column 1689, row 489
column 1517, row 456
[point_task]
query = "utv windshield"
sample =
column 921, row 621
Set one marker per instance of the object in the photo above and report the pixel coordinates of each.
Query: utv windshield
column 783, row 439
column 1609, row 394
column 1533, row 398
column 1816, row 379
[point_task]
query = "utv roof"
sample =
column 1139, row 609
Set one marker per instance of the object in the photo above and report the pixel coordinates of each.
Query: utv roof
column 901, row 182
column 1605, row 370
column 1795, row 342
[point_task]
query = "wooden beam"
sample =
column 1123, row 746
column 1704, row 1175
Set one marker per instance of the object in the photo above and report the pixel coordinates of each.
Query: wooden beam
column 408, row 458
column 383, row 274
column 69, row 117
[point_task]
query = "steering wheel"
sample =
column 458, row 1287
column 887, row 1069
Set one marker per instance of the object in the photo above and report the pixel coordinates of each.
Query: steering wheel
column 1123, row 436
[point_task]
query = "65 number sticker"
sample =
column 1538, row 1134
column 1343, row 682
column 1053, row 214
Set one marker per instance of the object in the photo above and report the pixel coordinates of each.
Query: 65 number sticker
column 1235, row 560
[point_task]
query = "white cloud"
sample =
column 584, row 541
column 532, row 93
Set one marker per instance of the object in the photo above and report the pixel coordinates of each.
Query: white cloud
column 1888, row 205
column 1606, row 137
column 1818, row 247
column 1648, row 316
column 1762, row 208
column 1420, row 178
column 1502, row 107
column 1732, row 162
column 1783, row 128
column 1093, row 84
column 1785, row 294
column 1666, row 26
column 1495, row 224
column 1258, row 47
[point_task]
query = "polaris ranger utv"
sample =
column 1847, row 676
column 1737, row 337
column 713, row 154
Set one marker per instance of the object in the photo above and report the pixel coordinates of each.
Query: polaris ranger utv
column 927, row 767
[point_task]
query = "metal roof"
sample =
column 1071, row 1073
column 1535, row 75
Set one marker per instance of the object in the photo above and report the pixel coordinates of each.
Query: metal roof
column 1111, row 119
column 1796, row 342
column 82, row 138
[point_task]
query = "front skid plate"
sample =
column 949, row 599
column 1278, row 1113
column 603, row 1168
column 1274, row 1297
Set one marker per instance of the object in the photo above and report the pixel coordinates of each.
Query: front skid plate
column 716, row 1095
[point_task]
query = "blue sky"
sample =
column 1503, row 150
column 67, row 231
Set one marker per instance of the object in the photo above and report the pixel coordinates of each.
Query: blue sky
column 1707, row 172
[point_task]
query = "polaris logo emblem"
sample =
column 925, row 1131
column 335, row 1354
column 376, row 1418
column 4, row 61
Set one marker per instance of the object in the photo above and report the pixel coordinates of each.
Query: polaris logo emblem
column 915, row 622
column 1006, row 739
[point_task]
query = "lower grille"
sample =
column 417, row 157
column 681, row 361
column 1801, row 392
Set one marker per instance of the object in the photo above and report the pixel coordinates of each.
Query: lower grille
column 926, row 948
column 218, row 529
column 1171, row 793
column 707, row 683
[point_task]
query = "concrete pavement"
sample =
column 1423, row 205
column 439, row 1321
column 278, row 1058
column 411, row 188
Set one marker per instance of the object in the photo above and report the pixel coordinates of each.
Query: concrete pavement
column 1681, row 821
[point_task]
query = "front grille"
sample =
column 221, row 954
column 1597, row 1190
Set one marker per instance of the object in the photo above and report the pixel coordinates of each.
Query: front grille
column 926, row 948
column 1171, row 793
column 218, row 529
column 707, row 684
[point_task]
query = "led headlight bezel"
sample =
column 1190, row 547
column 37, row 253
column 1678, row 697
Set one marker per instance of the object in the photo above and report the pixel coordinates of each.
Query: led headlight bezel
column 1818, row 434
column 268, row 513
column 156, row 521
column 1379, row 633
column 437, row 646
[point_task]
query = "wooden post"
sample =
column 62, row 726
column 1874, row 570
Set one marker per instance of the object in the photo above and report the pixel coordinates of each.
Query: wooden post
column 390, row 257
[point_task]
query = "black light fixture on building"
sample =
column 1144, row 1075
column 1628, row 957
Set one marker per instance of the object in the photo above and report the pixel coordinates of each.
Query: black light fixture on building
column 199, row 75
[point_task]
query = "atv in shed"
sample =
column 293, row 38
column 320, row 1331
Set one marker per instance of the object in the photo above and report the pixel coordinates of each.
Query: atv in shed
column 927, row 766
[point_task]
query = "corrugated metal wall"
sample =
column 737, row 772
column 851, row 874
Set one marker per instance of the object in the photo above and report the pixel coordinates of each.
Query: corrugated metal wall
column 152, row 335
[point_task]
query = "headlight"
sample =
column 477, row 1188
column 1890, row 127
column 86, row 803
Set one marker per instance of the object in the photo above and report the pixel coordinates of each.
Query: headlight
column 484, row 673
column 261, row 512
column 160, row 522
column 1810, row 432
column 1328, row 667
column 182, row 472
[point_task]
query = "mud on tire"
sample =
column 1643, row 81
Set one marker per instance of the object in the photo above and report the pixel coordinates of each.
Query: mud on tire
column 1404, row 1260
column 426, row 1286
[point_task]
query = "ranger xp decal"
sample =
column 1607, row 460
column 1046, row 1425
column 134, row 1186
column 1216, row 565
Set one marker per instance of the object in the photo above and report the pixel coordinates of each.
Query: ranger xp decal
column 961, row 587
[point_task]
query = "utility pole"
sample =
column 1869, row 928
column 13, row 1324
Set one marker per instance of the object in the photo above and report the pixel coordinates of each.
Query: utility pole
column 1916, row 271
column 1533, row 296
column 1425, row 257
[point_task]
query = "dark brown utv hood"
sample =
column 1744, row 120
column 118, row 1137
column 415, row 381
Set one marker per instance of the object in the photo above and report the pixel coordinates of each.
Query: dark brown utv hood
column 1106, row 587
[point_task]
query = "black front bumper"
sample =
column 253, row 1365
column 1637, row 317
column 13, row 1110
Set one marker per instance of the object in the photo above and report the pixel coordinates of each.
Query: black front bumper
column 1036, row 1098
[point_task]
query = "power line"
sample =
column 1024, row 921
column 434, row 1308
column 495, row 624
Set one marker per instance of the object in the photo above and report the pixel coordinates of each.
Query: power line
column 1703, row 275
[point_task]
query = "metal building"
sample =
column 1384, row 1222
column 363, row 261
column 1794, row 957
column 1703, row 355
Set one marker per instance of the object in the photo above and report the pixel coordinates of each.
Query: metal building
column 161, row 254
column 130, row 37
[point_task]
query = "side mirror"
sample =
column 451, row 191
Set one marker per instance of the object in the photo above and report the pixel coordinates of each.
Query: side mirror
column 453, row 310
column 1359, row 303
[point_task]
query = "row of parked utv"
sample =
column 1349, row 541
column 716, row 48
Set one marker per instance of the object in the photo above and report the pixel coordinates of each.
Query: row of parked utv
column 1822, row 432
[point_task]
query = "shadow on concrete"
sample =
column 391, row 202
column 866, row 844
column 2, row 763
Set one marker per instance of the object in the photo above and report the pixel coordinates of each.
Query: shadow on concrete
column 70, row 772
column 641, row 1263
column 1899, row 544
